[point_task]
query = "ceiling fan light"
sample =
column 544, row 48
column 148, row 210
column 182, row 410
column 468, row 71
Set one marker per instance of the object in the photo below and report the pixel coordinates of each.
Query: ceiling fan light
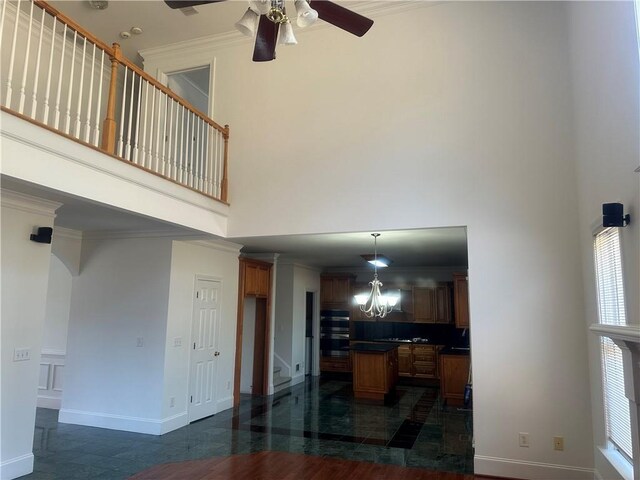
column 286, row 34
column 261, row 7
column 306, row 15
column 248, row 24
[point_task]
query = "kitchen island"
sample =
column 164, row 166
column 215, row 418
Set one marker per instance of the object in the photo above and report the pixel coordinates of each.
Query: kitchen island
column 375, row 370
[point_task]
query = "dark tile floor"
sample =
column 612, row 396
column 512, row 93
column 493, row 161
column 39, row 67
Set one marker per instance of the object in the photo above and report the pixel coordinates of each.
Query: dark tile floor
column 319, row 417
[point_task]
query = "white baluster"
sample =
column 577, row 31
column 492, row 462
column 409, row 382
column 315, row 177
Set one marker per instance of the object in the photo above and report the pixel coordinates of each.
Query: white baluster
column 2, row 17
column 156, row 150
column 189, row 155
column 166, row 144
column 152, row 128
column 79, row 106
column 45, row 113
column 96, row 137
column 25, row 69
column 70, row 94
column 196, row 170
column 87, row 123
column 205, row 156
column 219, row 164
column 176, row 159
column 34, row 93
column 7, row 101
column 183, row 146
column 56, row 122
column 122, row 109
column 129, row 143
column 144, row 114
column 137, row 139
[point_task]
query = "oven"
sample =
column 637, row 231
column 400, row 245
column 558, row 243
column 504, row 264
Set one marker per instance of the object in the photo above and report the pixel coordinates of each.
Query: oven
column 334, row 333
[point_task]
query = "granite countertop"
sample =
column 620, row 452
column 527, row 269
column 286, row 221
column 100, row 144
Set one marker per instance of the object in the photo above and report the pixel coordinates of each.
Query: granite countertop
column 373, row 347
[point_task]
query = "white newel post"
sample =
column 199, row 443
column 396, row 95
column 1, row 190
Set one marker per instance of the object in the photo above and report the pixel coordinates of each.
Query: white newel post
column 628, row 339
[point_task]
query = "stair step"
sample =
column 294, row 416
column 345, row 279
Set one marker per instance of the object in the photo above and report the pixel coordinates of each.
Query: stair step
column 276, row 371
column 281, row 381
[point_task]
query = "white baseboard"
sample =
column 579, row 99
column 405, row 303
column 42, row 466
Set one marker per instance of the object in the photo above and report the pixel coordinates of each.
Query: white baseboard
column 505, row 467
column 112, row 422
column 224, row 404
column 49, row 402
column 297, row 379
column 175, row 422
column 16, row 467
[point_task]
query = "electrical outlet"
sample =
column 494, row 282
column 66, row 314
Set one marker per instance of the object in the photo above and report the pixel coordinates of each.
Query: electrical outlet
column 297, row 367
column 177, row 342
column 172, row 402
column 139, row 342
column 523, row 439
column 21, row 354
column 558, row 443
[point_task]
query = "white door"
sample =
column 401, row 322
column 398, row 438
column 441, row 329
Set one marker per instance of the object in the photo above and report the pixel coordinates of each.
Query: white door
column 204, row 349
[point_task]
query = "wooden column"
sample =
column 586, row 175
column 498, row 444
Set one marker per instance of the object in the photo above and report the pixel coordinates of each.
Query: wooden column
column 224, row 187
column 109, row 124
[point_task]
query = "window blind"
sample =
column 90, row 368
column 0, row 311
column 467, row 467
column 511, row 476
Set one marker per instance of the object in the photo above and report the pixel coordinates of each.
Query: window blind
column 611, row 311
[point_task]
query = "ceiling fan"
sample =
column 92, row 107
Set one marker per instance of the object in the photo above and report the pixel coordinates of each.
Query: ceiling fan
column 265, row 18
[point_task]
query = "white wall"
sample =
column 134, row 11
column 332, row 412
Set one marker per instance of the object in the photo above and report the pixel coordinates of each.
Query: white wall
column 455, row 114
column 25, row 269
column 213, row 259
column 56, row 320
column 604, row 53
column 119, row 297
column 248, row 343
column 283, row 320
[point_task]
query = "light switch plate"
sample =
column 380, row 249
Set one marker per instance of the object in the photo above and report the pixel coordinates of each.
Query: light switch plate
column 21, row 354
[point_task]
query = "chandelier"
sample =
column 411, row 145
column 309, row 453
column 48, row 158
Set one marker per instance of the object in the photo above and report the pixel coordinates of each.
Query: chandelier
column 375, row 304
column 276, row 12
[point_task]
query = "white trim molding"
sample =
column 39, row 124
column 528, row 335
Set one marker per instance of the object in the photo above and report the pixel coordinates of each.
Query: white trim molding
column 16, row 467
column 121, row 422
column 28, row 203
column 506, row 467
column 628, row 339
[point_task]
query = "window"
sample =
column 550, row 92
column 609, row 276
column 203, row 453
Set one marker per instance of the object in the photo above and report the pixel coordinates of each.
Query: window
column 611, row 311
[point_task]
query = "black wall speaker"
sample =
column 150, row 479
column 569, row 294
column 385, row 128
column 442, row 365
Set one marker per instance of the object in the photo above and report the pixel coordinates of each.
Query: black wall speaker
column 613, row 215
column 43, row 236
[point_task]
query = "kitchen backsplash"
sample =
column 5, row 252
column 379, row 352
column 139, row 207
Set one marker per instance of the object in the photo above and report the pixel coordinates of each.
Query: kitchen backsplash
column 435, row 333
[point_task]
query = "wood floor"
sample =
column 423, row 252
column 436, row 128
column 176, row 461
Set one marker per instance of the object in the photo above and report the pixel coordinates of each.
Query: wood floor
column 269, row 465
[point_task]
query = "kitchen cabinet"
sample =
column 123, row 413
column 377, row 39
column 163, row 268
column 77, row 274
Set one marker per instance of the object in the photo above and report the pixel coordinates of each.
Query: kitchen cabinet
column 375, row 370
column 255, row 277
column 454, row 375
column 461, row 299
column 432, row 304
column 418, row 361
column 335, row 291
column 405, row 361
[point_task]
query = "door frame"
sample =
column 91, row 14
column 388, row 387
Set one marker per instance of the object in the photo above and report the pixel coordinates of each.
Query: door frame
column 206, row 278
column 240, row 325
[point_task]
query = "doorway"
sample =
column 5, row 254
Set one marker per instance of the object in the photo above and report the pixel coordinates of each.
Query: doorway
column 193, row 85
column 309, row 334
column 205, row 330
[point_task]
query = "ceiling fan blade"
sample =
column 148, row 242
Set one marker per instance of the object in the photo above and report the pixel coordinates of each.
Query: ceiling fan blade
column 341, row 17
column 188, row 3
column 266, row 38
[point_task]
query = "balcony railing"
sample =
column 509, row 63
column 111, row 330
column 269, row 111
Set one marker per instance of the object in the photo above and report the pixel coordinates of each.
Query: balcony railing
column 58, row 75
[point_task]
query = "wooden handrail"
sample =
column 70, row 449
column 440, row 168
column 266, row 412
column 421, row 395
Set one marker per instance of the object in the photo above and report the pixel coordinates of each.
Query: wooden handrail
column 167, row 91
column 64, row 19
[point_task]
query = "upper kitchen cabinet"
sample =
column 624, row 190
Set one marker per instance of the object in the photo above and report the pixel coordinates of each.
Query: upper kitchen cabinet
column 461, row 299
column 432, row 304
column 256, row 276
column 335, row 291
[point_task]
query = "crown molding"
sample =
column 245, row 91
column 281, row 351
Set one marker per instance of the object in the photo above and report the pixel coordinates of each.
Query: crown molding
column 220, row 245
column 28, row 203
column 67, row 233
column 204, row 45
column 123, row 234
